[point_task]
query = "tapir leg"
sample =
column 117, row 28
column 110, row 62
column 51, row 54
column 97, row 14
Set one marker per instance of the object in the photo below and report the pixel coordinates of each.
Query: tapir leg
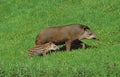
column 83, row 45
column 68, row 45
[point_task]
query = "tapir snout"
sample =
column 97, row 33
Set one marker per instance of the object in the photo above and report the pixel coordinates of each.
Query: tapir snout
column 96, row 38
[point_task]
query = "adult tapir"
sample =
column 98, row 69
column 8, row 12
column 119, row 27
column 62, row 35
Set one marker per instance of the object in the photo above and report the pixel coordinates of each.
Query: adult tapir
column 65, row 34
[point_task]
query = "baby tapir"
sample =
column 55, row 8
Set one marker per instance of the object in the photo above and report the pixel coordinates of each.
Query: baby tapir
column 65, row 34
column 43, row 49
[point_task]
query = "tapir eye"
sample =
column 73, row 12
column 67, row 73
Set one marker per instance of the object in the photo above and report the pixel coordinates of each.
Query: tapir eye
column 90, row 34
column 54, row 46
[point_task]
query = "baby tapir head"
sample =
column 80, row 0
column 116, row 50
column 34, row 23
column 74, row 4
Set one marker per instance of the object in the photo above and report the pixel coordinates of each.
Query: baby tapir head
column 53, row 46
column 88, row 34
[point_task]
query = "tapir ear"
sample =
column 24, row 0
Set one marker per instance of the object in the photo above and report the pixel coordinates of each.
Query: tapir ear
column 86, row 28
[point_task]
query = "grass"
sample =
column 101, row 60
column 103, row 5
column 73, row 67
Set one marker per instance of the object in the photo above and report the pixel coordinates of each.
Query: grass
column 22, row 20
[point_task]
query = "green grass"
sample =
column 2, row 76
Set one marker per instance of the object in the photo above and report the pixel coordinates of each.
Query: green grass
column 22, row 20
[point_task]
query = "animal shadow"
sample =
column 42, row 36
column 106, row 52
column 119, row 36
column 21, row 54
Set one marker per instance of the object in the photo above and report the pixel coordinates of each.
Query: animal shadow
column 76, row 45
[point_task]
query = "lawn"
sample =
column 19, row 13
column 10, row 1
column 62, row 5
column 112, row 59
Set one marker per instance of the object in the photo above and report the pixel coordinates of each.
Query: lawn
column 22, row 20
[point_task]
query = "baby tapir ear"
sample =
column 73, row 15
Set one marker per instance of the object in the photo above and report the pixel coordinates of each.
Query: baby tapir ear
column 50, row 43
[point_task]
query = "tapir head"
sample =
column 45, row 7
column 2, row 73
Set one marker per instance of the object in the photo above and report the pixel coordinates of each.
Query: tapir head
column 88, row 34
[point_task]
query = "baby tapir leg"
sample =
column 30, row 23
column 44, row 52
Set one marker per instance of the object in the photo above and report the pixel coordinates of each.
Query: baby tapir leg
column 43, row 54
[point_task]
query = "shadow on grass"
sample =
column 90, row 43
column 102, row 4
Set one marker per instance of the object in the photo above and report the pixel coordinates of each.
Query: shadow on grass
column 76, row 45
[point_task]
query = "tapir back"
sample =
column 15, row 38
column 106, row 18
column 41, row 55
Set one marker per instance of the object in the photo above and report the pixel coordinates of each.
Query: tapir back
column 59, row 34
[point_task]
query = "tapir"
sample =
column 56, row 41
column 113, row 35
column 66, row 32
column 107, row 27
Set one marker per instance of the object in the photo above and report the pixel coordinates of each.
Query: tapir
column 65, row 34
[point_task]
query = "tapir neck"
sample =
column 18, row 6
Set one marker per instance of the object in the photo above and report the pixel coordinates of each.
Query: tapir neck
column 81, row 37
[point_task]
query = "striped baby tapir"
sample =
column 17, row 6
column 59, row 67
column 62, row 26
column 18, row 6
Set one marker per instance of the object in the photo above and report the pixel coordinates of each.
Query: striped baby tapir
column 43, row 49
